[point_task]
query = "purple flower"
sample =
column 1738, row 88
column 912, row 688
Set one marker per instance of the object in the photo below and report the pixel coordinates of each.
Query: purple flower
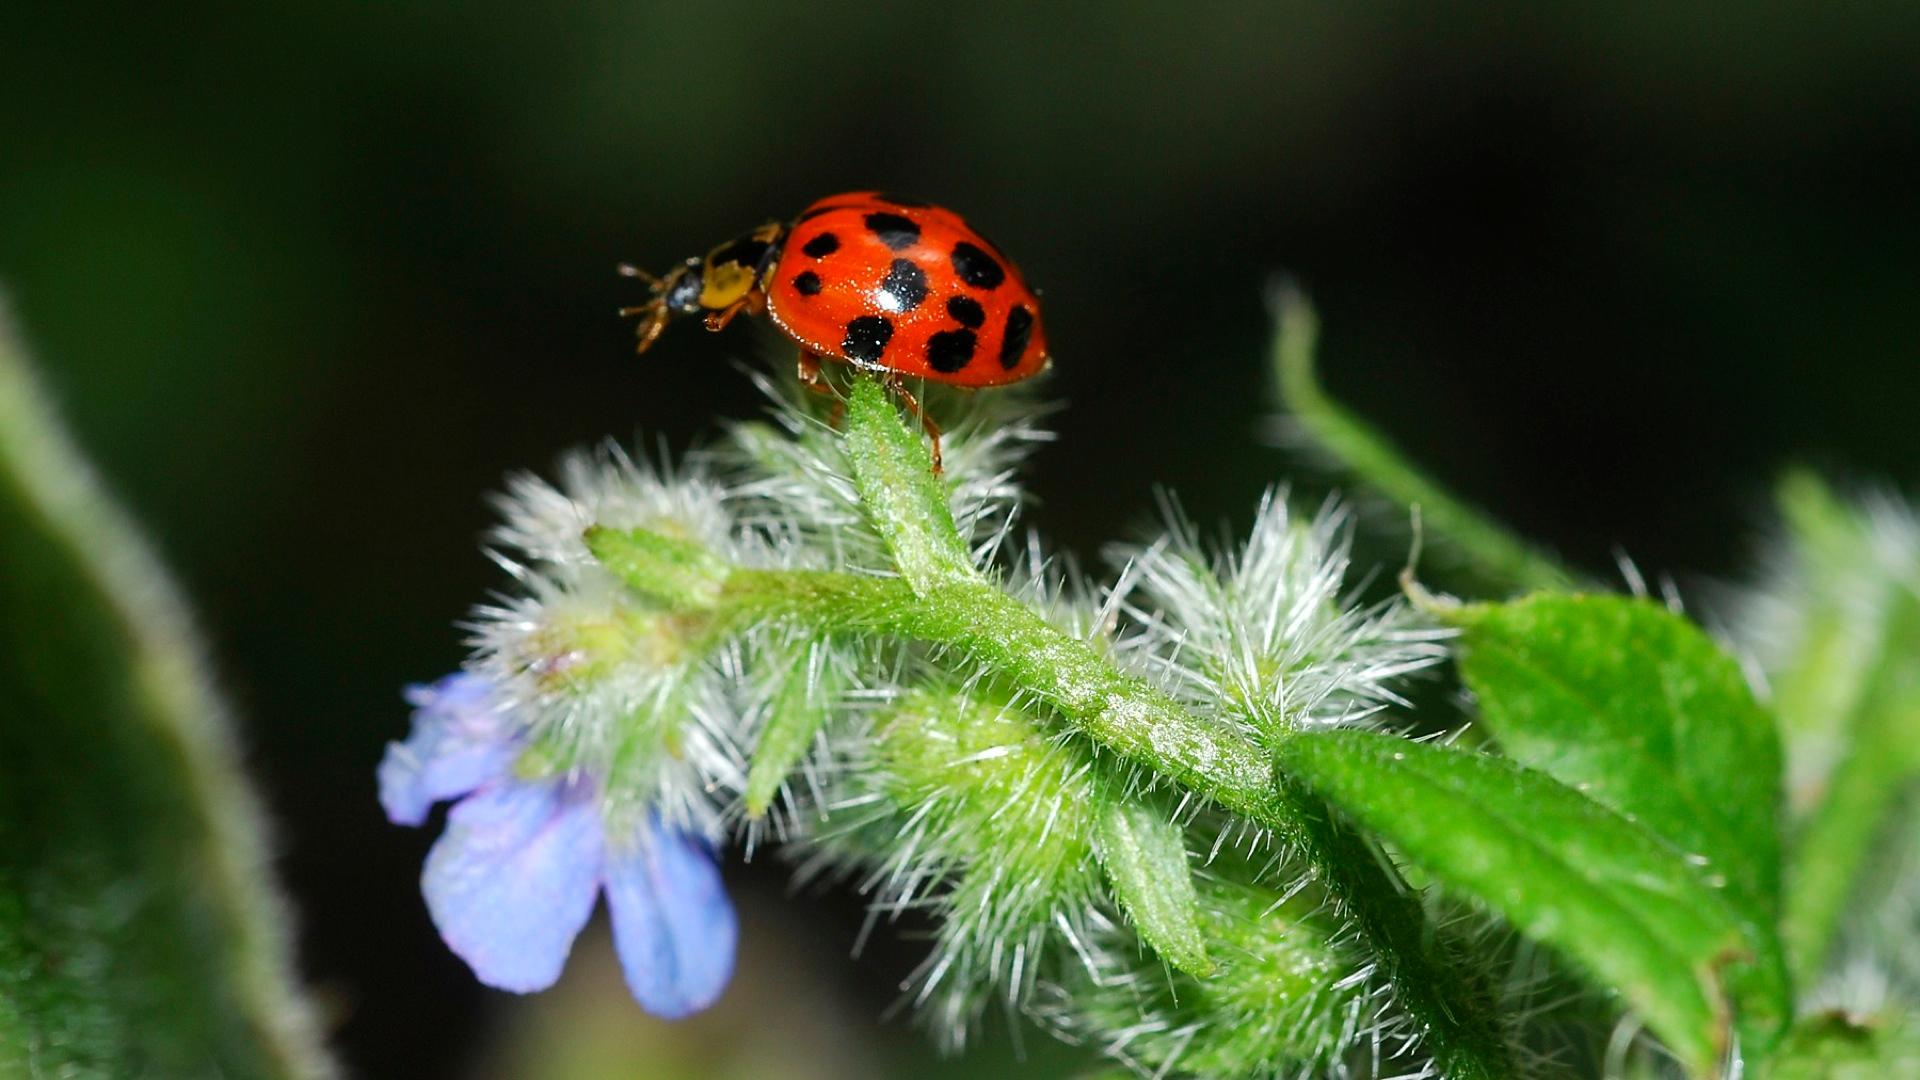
column 515, row 876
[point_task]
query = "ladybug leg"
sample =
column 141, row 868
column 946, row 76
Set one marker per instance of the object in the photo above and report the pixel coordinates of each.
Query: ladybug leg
column 809, row 372
column 632, row 271
column 813, row 380
column 753, row 304
column 653, row 319
column 899, row 389
column 653, row 314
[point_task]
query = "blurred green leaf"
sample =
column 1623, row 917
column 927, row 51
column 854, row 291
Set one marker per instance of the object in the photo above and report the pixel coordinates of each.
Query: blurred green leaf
column 1560, row 867
column 1846, row 593
column 1832, row 1046
column 1637, row 708
column 1848, row 685
column 139, row 931
column 1495, row 557
column 1145, row 857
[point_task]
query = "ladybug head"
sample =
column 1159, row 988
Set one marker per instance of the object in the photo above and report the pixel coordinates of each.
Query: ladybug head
column 727, row 280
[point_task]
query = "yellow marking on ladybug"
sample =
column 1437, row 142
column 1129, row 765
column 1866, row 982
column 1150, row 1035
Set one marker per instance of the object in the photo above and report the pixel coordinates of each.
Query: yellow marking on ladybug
column 732, row 270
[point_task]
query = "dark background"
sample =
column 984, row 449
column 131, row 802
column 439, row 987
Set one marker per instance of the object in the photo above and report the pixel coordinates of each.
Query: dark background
column 310, row 276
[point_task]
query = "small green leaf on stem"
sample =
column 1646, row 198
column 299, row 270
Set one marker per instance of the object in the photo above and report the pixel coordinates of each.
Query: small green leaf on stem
column 1563, row 869
column 800, row 707
column 1497, row 558
column 907, row 502
column 1145, row 857
column 678, row 574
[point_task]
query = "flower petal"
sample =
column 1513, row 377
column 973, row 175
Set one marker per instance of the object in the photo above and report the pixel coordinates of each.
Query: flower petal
column 514, row 878
column 673, row 925
column 460, row 739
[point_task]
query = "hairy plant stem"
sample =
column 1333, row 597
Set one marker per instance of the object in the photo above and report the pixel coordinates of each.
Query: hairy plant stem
column 942, row 599
column 1130, row 717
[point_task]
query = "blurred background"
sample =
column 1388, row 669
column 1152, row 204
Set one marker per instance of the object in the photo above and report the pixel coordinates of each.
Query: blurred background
column 310, row 276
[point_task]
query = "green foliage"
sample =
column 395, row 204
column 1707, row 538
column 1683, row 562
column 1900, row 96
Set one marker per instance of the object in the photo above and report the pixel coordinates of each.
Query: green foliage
column 1040, row 765
column 1562, row 868
column 1636, row 708
column 1000, row 822
column 799, row 708
column 996, row 634
column 1834, row 1046
column 1145, row 857
column 906, row 502
column 1286, row 986
column 138, row 930
column 1840, row 636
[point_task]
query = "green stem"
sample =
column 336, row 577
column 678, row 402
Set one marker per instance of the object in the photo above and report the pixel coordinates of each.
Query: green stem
column 940, row 598
column 1126, row 715
column 1500, row 560
column 1119, row 711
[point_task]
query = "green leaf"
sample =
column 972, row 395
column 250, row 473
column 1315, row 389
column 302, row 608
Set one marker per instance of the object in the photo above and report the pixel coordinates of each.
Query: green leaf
column 1833, row 1046
column 1639, row 709
column 140, row 934
column 1145, row 857
column 800, row 708
column 1846, row 675
column 1560, row 867
column 1495, row 557
column 908, row 503
column 678, row 574
column 1845, row 595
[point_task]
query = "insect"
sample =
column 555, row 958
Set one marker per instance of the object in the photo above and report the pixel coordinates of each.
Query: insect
column 889, row 285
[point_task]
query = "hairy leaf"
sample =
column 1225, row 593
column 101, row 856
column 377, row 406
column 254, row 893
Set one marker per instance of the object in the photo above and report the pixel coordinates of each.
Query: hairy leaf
column 139, row 930
column 1560, row 867
column 1635, row 706
column 894, row 473
column 800, row 707
column 1145, row 857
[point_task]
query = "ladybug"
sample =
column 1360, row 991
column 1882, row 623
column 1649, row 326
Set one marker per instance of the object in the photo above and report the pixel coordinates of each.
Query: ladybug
column 895, row 286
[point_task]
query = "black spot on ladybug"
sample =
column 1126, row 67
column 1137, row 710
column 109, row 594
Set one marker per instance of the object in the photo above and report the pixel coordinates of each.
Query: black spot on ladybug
column 950, row 350
column 899, row 200
column 904, row 287
column 821, row 246
column 1019, row 332
column 867, row 338
column 807, row 283
column 966, row 311
column 976, row 267
column 817, row 211
column 896, row 232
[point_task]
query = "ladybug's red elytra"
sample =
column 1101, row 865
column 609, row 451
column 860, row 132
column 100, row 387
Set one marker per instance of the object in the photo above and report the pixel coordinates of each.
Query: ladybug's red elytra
column 886, row 284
